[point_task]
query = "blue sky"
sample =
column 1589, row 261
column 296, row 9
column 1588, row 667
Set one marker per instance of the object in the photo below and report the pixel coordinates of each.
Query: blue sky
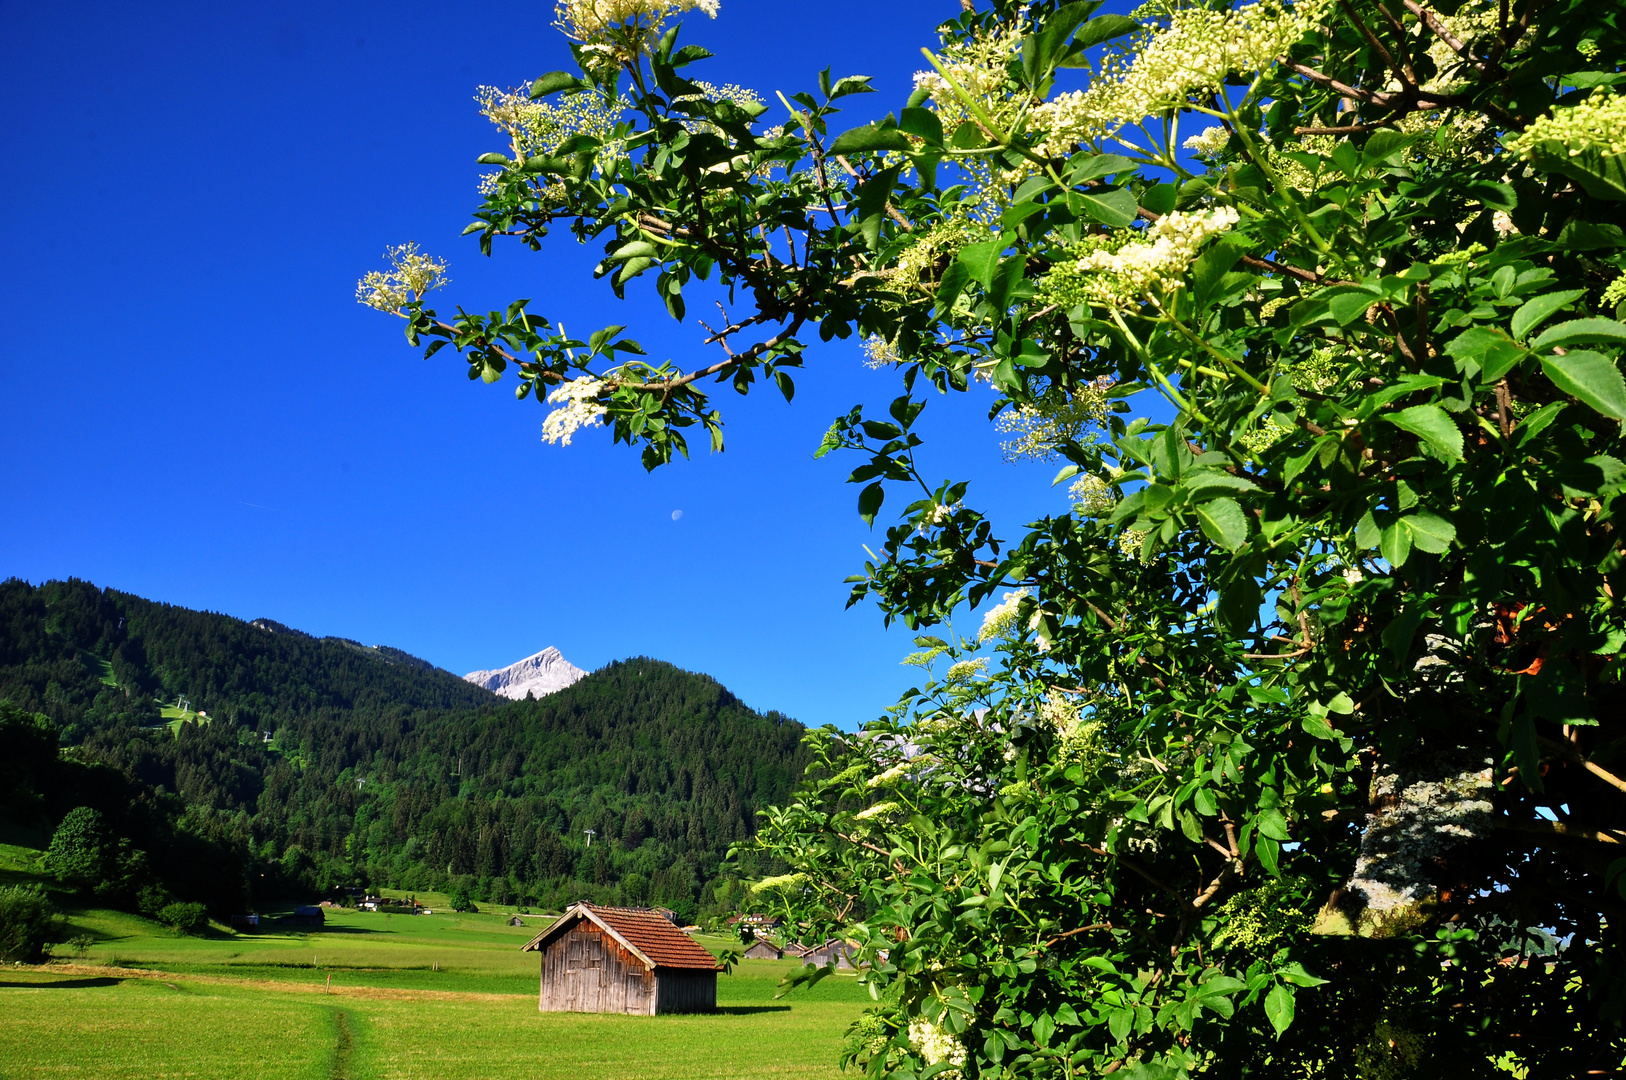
column 198, row 411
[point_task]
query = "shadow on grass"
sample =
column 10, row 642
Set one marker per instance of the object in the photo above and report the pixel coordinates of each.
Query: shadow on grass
column 61, row 984
column 747, row 1010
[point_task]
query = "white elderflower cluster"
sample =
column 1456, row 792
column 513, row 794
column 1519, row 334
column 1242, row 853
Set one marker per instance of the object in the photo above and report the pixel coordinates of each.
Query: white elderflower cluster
column 880, row 353
column 1091, row 497
column 1614, row 294
column 1502, row 222
column 1001, row 618
column 780, row 883
column 410, row 276
column 894, row 773
column 1294, row 173
column 936, row 1046
column 539, row 127
column 1057, row 417
column 618, row 30
column 1470, row 24
column 739, row 95
column 1075, row 736
column 1208, row 141
column 1453, row 134
column 938, row 515
column 916, row 268
column 1598, row 123
column 878, row 810
column 965, row 670
column 1157, row 259
column 1060, row 714
column 1193, row 54
column 579, row 408
column 980, row 67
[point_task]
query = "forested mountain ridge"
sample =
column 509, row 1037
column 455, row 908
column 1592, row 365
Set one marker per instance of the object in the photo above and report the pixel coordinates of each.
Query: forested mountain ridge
column 326, row 762
column 84, row 656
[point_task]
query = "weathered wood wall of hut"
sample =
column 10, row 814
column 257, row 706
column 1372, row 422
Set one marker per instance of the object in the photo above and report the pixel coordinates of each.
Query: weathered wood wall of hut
column 684, row 990
column 585, row 970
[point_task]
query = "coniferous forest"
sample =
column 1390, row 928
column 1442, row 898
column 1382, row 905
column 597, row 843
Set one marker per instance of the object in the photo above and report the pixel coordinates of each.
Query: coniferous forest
column 300, row 764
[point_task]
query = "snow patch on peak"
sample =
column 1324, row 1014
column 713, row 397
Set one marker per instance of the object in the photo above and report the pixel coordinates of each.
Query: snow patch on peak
column 544, row 673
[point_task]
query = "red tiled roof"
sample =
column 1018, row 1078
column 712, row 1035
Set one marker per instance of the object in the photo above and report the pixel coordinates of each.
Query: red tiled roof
column 654, row 936
column 648, row 932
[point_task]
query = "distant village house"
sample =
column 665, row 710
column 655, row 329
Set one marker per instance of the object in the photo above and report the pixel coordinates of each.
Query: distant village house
column 306, row 915
column 622, row 960
column 763, row 949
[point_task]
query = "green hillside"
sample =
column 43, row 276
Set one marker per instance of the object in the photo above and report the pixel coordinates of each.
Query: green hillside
column 322, row 762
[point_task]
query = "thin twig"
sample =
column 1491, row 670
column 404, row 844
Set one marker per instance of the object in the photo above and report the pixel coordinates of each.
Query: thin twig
column 1080, row 930
column 1441, row 31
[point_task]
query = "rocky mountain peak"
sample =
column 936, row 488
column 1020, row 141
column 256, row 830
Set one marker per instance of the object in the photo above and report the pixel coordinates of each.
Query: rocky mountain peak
column 541, row 674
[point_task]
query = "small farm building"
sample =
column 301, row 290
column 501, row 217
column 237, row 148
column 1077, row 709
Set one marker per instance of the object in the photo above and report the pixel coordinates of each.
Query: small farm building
column 833, row 950
column 306, row 915
column 622, row 960
column 763, row 949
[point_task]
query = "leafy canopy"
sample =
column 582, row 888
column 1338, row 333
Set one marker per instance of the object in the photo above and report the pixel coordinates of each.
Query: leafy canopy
column 1293, row 747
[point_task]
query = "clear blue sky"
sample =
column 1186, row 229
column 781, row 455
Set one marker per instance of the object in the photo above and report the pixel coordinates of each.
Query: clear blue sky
column 198, row 411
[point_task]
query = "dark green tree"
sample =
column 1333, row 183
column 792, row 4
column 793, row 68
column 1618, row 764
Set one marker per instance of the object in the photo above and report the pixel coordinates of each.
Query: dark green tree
column 26, row 924
column 83, row 851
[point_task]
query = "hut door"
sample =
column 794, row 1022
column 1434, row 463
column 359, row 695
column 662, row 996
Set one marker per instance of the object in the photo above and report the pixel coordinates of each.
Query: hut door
column 585, row 972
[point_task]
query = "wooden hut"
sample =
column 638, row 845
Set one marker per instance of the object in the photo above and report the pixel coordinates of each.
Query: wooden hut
column 763, row 949
column 622, row 960
column 306, row 915
column 834, row 950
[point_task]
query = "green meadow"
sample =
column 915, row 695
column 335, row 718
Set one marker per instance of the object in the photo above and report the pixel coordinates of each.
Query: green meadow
column 385, row 996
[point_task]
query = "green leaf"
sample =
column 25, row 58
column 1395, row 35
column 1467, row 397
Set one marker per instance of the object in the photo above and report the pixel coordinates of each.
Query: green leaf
column 1269, row 852
column 1590, row 378
column 1431, row 424
column 1349, row 302
column 1116, row 207
column 922, row 123
column 870, row 139
column 553, row 82
column 982, row 260
column 1603, row 175
column 1320, row 729
column 851, row 84
column 869, row 502
column 1429, row 533
column 955, row 279
column 1223, row 522
column 1526, row 751
column 1401, row 630
column 1295, row 974
column 1279, row 1008
column 1272, row 824
column 1383, row 145
column 1395, row 544
column 1103, row 28
column 1581, row 331
column 492, row 159
column 1086, row 167
column 1539, row 309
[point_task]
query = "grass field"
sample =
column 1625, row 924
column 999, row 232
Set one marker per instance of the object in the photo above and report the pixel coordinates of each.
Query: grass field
column 436, row 997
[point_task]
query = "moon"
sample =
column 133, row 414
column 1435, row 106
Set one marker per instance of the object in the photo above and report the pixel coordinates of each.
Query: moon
column 676, row 514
